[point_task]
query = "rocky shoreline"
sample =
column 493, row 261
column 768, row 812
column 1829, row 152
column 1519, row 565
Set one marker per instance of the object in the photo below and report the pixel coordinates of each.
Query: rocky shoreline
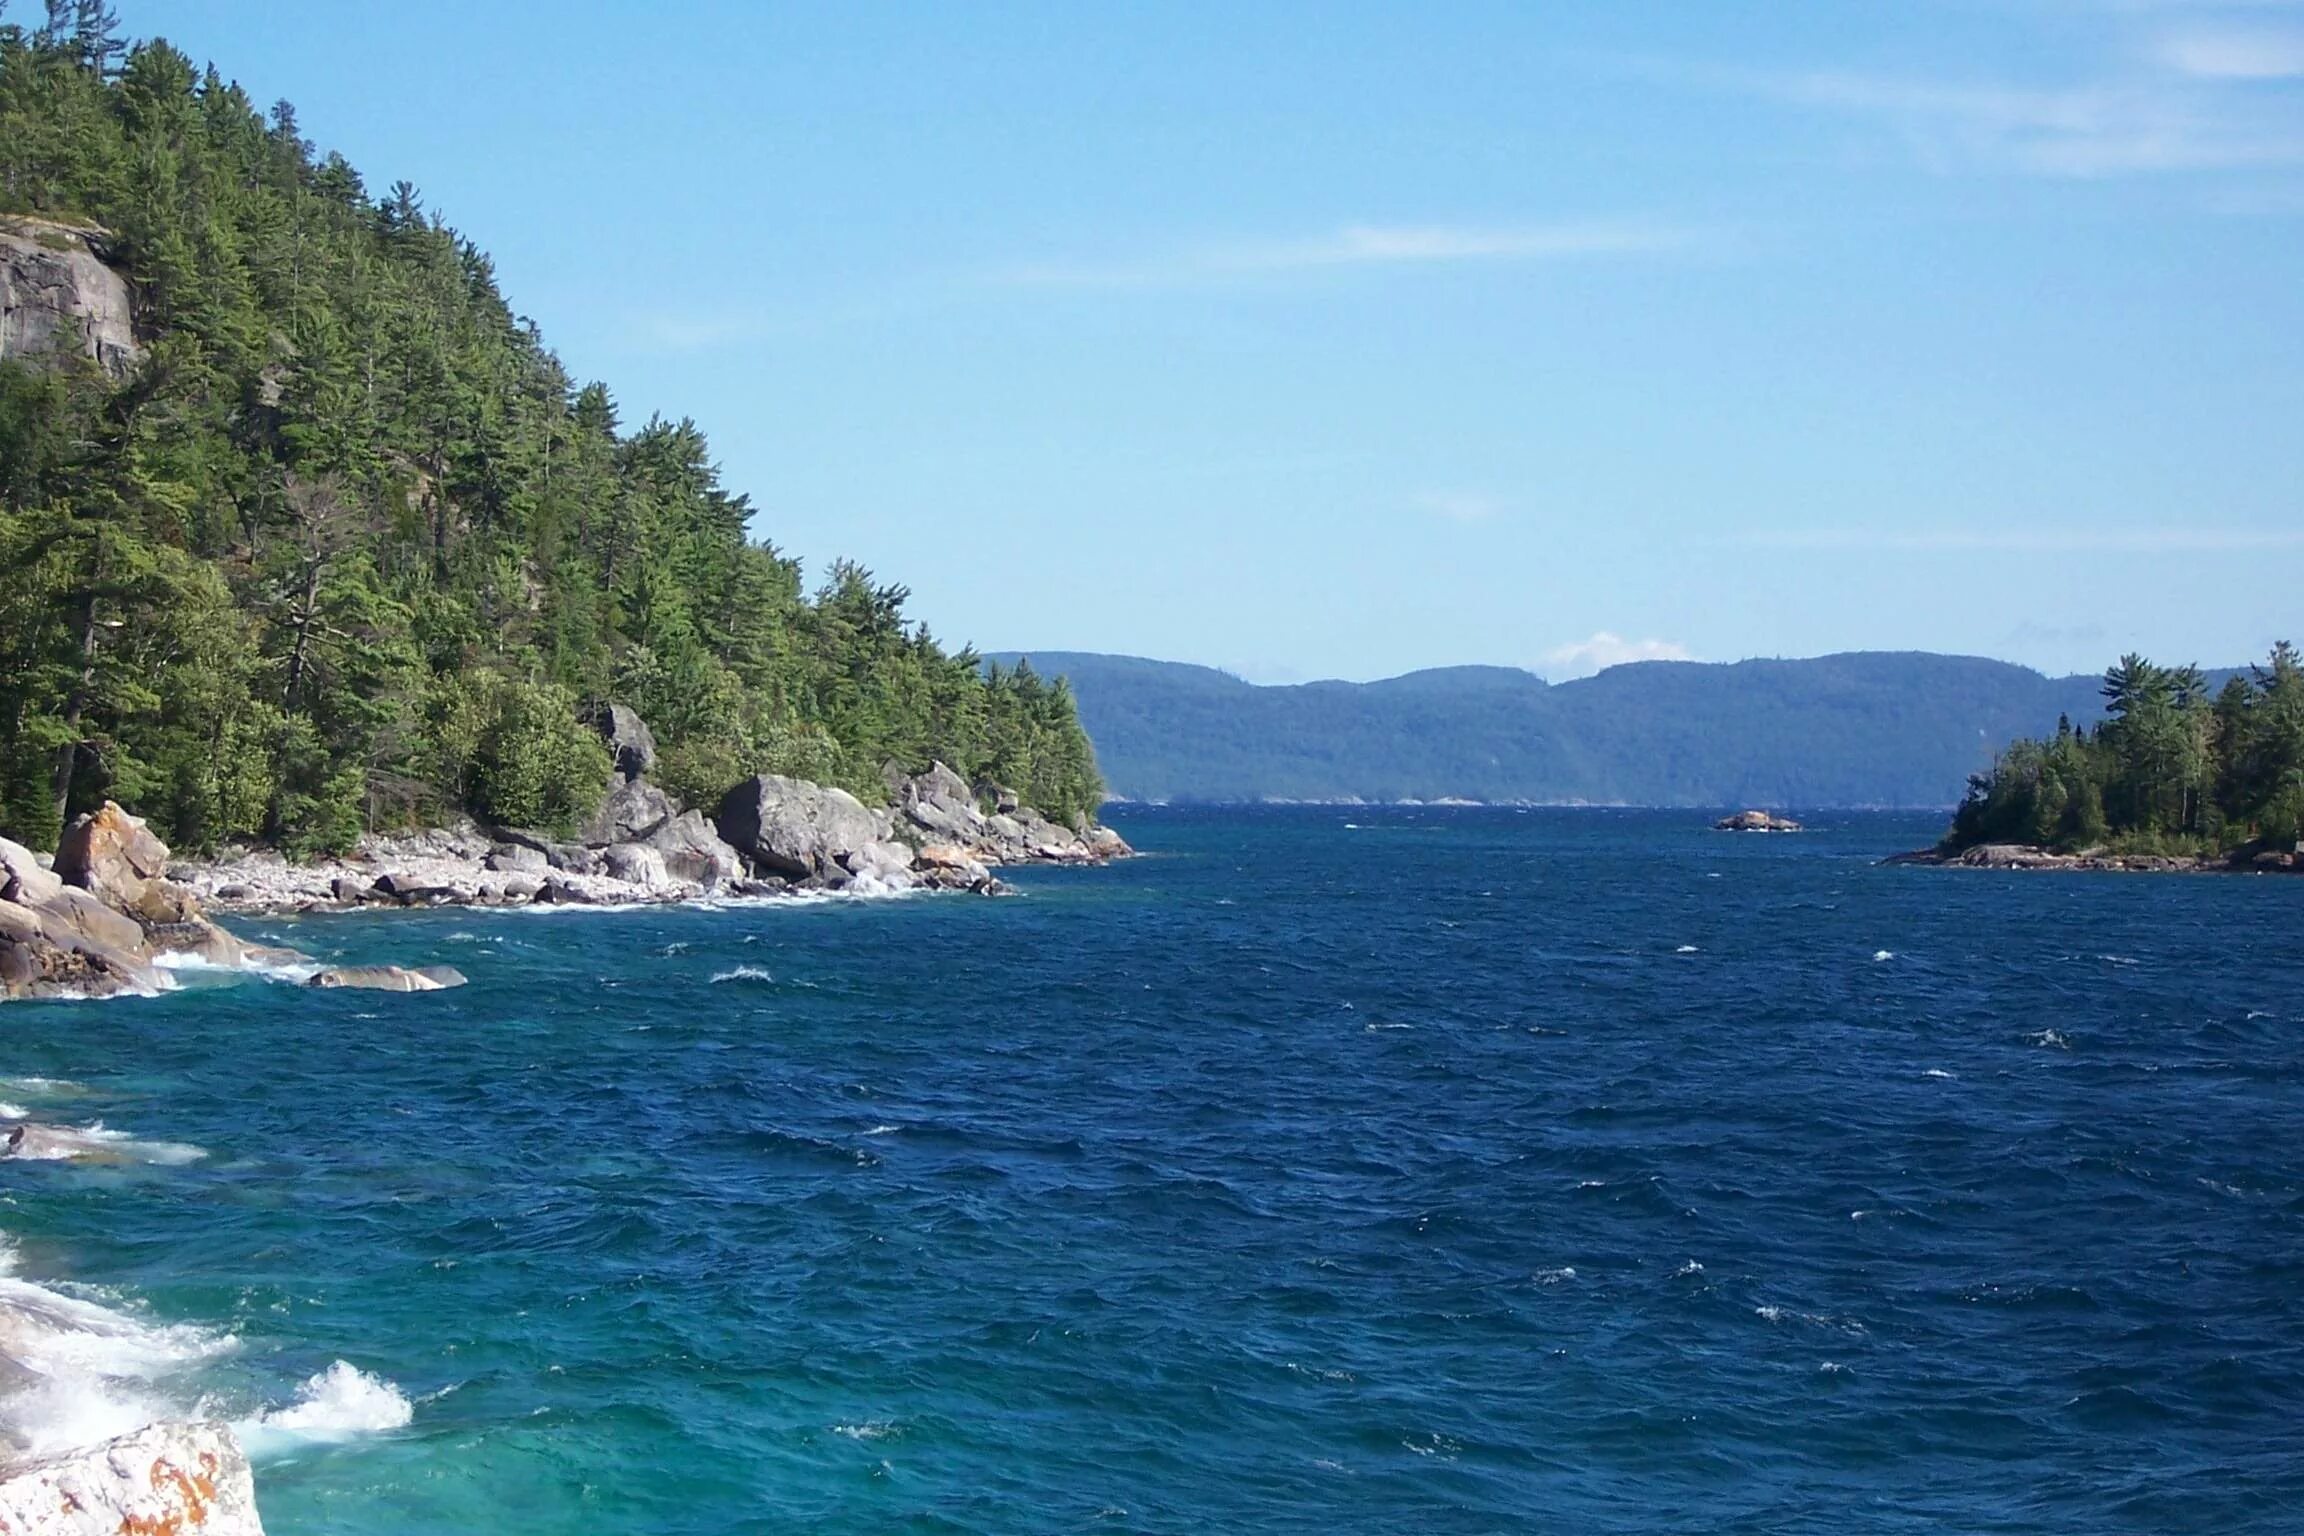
column 768, row 836
column 2030, row 857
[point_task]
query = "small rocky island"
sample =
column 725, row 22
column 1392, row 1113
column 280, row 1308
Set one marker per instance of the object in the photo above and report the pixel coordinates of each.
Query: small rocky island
column 1756, row 821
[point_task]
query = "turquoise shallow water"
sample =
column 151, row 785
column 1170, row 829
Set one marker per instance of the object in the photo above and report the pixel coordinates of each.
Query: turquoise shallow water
column 1443, row 1171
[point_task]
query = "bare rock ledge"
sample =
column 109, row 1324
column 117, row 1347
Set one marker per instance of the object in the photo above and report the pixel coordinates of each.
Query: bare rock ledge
column 167, row 1479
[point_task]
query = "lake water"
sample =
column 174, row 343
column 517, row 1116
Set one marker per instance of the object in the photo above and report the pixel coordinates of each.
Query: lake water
column 1324, row 1170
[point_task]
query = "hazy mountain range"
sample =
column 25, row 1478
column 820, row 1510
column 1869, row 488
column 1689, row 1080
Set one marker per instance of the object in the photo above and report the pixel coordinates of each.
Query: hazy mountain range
column 1865, row 728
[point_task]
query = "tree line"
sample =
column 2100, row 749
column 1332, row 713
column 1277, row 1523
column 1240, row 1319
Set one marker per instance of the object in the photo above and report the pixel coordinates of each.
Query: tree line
column 348, row 548
column 2170, row 769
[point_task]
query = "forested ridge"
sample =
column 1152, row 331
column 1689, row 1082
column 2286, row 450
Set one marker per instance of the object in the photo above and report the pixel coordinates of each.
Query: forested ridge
column 2173, row 768
column 1857, row 729
column 347, row 548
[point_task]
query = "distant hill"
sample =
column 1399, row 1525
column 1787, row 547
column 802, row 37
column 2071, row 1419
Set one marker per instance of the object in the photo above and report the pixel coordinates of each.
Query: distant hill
column 1867, row 728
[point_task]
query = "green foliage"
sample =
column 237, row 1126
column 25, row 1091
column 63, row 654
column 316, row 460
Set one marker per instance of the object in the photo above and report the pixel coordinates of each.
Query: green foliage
column 349, row 548
column 2166, row 772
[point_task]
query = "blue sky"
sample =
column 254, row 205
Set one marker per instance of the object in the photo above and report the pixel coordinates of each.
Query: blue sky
column 1337, row 340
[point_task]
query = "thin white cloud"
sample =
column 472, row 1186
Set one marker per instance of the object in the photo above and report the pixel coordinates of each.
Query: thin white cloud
column 2078, row 541
column 1460, row 506
column 2085, row 131
column 1366, row 245
column 1606, row 649
column 2251, row 53
column 2163, row 118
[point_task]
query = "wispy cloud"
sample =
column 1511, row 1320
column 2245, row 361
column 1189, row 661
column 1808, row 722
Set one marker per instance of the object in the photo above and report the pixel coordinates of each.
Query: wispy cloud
column 1603, row 650
column 2110, row 129
column 2235, row 53
column 2188, row 105
column 2077, row 541
column 1364, row 245
column 1460, row 506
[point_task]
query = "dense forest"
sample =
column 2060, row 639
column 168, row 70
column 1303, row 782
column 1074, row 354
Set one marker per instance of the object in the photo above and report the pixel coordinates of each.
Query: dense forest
column 2174, row 767
column 347, row 548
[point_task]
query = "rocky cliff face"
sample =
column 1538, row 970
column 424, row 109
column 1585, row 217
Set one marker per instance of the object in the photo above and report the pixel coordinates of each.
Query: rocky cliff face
column 165, row 1480
column 58, row 298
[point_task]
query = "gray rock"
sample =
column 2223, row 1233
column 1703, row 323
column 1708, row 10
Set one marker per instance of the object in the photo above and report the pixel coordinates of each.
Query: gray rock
column 23, row 878
column 694, row 852
column 59, row 299
column 793, row 828
column 166, row 1479
column 514, row 858
column 633, row 809
column 630, row 743
column 635, row 864
column 881, row 866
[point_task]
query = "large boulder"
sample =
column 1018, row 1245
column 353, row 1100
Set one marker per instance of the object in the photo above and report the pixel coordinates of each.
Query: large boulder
column 795, row 829
column 635, row 864
column 112, row 854
column 633, row 809
column 23, row 878
column 694, row 852
column 630, row 743
column 183, row 1479
column 880, row 867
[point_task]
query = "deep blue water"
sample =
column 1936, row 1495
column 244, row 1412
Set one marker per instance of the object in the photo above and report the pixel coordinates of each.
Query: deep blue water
column 1325, row 1170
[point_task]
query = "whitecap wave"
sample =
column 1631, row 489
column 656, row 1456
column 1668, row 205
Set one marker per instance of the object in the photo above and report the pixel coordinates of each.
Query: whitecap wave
column 1883, row 954
column 73, row 1371
column 742, row 973
column 340, row 1403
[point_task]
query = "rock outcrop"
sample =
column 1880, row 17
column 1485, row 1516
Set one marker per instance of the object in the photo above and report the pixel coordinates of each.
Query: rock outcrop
column 168, row 1479
column 98, row 923
column 57, row 297
column 795, row 830
column 631, row 745
column 1755, row 821
column 632, row 810
column 2025, row 856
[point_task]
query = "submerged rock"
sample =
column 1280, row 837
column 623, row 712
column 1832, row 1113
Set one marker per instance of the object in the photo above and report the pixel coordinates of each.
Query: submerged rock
column 390, row 978
column 167, row 1479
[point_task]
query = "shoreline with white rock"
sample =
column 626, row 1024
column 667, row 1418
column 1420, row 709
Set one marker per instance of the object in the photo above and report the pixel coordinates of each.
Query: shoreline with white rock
column 769, row 836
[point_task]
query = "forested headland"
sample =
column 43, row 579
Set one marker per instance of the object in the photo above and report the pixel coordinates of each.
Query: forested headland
column 345, row 548
column 2170, row 770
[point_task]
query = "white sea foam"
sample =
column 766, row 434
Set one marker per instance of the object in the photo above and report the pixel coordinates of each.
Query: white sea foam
column 45, row 1087
column 1690, row 1268
column 1883, row 954
column 875, row 1429
column 297, row 971
column 339, row 1404
column 884, row 1130
column 742, row 973
column 1937, row 1072
column 83, row 1372
column 2054, row 1039
column 1564, row 1273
